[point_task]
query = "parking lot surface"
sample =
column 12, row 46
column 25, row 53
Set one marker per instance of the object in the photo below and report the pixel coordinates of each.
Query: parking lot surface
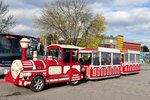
column 130, row 87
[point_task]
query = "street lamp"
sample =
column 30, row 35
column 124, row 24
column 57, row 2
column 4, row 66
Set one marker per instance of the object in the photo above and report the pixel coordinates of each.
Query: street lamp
column 111, row 43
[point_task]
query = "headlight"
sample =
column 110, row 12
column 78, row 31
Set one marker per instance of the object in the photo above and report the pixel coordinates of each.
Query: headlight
column 16, row 67
column 22, row 75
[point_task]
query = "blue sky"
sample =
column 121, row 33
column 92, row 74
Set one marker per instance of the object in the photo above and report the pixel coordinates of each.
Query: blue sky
column 130, row 18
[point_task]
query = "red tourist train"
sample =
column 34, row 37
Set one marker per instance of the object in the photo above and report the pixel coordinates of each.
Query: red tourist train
column 64, row 64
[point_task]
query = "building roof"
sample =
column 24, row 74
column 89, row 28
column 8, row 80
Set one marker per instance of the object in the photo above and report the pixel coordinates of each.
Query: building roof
column 132, row 43
column 65, row 46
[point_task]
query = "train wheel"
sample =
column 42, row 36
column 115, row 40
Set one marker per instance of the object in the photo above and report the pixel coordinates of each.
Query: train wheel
column 74, row 82
column 37, row 84
column 17, row 85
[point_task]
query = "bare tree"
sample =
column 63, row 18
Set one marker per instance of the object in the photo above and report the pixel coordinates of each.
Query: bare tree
column 6, row 21
column 67, row 19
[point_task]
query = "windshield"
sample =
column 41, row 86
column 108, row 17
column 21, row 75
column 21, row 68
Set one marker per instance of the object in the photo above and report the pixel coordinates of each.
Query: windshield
column 10, row 46
column 55, row 53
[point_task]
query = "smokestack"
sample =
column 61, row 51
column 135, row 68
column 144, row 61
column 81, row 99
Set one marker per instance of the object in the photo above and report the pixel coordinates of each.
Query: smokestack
column 35, row 55
column 24, row 42
column 49, row 58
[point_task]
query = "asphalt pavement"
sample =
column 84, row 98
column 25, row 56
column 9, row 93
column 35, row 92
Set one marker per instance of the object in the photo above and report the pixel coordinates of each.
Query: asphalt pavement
column 128, row 87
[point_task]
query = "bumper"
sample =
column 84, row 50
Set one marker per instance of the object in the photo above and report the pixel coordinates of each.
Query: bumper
column 4, row 71
column 17, row 81
column 10, row 79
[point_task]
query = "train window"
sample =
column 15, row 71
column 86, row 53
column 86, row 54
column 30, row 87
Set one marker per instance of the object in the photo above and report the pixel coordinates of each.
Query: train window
column 132, row 58
column 126, row 58
column 122, row 58
column 85, row 58
column 55, row 53
column 106, row 58
column 66, row 55
column 116, row 58
column 95, row 58
column 74, row 55
column 137, row 58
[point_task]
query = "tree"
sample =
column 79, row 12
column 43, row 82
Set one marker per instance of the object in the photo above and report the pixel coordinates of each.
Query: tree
column 71, row 21
column 96, row 26
column 144, row 48
column 6, row 21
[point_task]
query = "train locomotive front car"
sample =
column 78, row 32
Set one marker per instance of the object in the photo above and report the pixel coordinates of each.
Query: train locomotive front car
column 103, row 63
column 130, row 62
column 61, row 65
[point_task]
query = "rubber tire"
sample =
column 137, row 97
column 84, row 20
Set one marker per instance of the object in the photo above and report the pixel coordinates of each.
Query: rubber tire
column 73, row 83
column 17, row 85
column 32, row 84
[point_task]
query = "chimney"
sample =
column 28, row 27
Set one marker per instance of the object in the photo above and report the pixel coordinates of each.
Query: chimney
column 49, row 58
column 24, row 42
column 35, row 55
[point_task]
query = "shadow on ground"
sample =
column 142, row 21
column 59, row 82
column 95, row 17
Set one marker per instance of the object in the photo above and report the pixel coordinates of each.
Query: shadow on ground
column 2, row 76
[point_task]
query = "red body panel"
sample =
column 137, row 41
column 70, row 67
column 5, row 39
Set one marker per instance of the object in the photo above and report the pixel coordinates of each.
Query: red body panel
column 43, row 68
column 99, row 72
column 130, row 68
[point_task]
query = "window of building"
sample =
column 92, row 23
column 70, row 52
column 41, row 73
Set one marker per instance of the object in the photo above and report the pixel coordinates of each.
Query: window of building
column 55, row 53
column 106, row 58
column 74, row 55
column 138, row 58
column 132, row 58
column 95, row 58
column 66, row 55
column 116, row 59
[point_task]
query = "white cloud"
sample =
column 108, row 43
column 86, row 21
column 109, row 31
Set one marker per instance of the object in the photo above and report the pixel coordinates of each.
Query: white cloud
column 120, row 17
column 25, row 16
column 129, row 2
column 27, row 3
column 20, row 29
column 142, row 41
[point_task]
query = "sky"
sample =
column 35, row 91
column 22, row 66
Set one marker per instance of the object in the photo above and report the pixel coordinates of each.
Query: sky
column 130, row 18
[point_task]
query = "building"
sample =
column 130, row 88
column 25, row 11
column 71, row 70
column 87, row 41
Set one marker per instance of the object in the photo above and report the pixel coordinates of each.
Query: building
column 131, row 46
column 110, row 42
column 118, row 43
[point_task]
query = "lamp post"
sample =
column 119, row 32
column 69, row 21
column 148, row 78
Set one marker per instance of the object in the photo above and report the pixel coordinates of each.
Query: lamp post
column 111, row 43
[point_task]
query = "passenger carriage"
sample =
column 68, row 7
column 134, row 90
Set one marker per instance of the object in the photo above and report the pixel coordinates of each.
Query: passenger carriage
column 61, row 65
column 130, row 62
column 100, row 64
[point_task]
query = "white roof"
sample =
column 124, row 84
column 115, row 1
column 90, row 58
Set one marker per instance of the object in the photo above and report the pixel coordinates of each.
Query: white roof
column 65, row 46
column 85, row 51
column 134, row 52
column 146, row 52
column 103, row 49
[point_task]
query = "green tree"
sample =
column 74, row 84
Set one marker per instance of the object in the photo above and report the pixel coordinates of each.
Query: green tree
column 144, row 48
column 71, row 21
column 50, row 39
column 92, row 38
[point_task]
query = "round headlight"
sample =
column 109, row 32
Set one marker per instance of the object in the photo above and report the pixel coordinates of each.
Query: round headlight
column 16, row 67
